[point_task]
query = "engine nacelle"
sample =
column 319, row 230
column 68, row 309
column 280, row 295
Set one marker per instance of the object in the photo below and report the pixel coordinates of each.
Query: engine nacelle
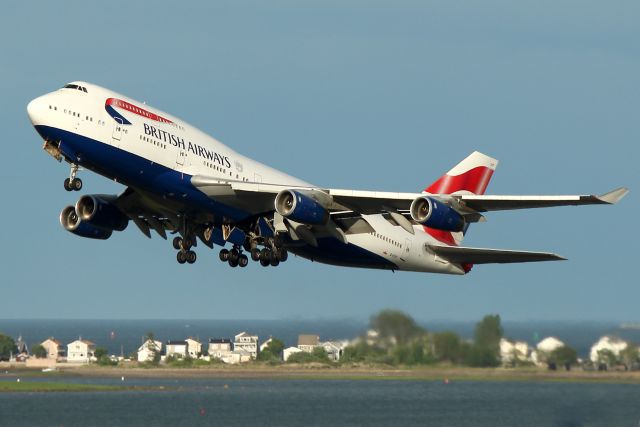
column 72, row 222
column 299, row 207
column 435, row 214
column 99, row 211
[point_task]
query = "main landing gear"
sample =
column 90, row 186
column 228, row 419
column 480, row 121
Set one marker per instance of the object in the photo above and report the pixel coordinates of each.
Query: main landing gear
column 72, row 183
column 183, row 246
column 234, row 257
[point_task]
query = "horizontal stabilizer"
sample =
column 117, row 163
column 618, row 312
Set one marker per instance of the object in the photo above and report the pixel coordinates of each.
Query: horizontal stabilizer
column 462, row 255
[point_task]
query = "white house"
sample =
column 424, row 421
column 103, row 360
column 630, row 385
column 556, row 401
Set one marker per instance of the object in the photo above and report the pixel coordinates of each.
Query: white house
column 194, row 348
column 265, row 344
column 246, row 342
column 613, row 344
column 512, row 351
column 54, row 348
column 334, row 349
column 148, row 349
column 308, row 342
column 219, row 347
column 176, row 349
column 544, row 347
column 287, row 352
column 80, row 351
column 236, row 356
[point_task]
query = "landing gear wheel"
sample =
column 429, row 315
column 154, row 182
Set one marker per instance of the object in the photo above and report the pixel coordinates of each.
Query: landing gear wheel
column 233, row 263
column 76, row 184
column 265, row 255
column 67, row 184
column 264, row 262
column 188, row 243
column 191, row 257
column 243, row 261
column 177, row 243
column 234, row 255
column 224, row 255
column 255, row 254
column 283, row 255
column 181, row 257
column 274, row 261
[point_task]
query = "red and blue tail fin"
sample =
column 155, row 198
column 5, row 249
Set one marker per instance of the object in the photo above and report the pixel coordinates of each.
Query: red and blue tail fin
column 472, row 175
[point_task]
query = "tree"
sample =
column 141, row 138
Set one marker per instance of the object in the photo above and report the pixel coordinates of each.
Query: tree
column 607, row 358
column 319, row 355
column 396, row 327
column 273, row 350
column 100, row 353
column 480, row 357
column 446, row 346
column 489, row 332
column 563, row 356
column 38, row 351
column 7, row 347
column 630, row 356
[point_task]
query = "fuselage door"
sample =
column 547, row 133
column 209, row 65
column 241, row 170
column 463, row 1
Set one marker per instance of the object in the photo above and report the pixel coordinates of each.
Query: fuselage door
column 182, row 156
column 406, row 250
column 117, row 131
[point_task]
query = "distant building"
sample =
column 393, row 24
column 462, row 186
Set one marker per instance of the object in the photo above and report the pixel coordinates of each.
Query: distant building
column 54, row 348
column 194, row 348
column 544, row 348
column 307, row 343
column 80, row 351
column 287, row 352
column 176, row 349
column 148, row 350
column 334, row 349
column 219, row 347
column 511, row 352
column 265, row 344
column 246, row 342
column 236, row 356
column 612, row 344
column 23, row 350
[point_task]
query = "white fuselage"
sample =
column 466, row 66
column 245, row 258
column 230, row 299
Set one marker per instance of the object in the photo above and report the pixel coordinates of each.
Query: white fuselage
column 158, row 138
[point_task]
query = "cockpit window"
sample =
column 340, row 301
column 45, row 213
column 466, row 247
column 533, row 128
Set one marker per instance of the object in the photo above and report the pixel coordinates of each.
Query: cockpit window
column 80, row 88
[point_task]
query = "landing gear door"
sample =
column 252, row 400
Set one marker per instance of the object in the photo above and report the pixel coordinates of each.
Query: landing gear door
column 117, row 131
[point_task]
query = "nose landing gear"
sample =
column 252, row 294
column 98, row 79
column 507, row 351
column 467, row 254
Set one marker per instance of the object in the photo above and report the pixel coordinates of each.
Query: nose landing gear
column 72, row 183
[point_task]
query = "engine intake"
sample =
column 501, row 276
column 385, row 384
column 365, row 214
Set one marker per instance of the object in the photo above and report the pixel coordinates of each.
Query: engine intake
column 300, row 207
column 435, row 214
column 99, row 211
column 74, row 224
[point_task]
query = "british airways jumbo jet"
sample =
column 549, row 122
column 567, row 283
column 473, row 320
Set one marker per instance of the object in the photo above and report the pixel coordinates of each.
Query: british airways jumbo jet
column 182, row 181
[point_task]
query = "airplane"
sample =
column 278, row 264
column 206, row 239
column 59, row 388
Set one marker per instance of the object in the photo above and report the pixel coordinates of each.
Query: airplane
column 182, row 181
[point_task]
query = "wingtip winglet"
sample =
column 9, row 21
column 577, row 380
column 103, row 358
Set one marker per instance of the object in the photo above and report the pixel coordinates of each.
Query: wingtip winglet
column 614, row 196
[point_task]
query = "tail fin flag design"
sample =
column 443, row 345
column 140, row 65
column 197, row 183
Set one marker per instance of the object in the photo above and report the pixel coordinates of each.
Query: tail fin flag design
column 470, row 175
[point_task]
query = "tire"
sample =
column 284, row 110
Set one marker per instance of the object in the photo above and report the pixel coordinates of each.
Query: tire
column 224, row 255
column 274, row 262
column 265, row 254
column 191, row 257
column 234, row 255
column 264, row 262
column 67, row 184
column 283, row 255
column 233, row 263
column 181, row 257
column 177, row 243
column 243, row 261
column 255, row 254
column 76, row 184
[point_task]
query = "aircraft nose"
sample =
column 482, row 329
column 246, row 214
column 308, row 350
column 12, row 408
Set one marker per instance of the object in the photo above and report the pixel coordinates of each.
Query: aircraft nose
column 35, row 110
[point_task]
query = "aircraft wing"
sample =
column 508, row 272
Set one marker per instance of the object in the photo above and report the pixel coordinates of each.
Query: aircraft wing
column 464, row 255
column 261, row 196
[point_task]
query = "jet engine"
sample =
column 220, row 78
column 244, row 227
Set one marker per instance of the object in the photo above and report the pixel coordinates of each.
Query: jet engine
column 435, row 214
column 72, row 222
column 99, row 211
column 300, row 207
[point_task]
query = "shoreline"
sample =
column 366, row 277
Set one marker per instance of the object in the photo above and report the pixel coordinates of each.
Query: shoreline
column 320, row 372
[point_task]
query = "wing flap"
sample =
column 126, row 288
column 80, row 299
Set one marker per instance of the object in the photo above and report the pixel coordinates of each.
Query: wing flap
column 465, row 255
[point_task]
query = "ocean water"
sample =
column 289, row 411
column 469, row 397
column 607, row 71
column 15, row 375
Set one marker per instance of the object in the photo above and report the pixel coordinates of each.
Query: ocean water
column 127, row 335
column 226, row 402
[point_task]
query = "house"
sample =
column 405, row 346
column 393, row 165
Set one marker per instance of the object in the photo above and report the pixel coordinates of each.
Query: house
column 333, row 349
column 219, row 347
column 265, row 344
column 606, row 343
column 177, row 349
column 287, row 352
column 307, row 343
column 22, row 352
column 194, row 348
column 237, row 356
column 80, row 351
column 148, row 350
column 54, row 348
column 247, row 342
column 544, row 347
column 511, row 352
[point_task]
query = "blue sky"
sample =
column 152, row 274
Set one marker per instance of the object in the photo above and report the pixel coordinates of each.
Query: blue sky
column 348, row 94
